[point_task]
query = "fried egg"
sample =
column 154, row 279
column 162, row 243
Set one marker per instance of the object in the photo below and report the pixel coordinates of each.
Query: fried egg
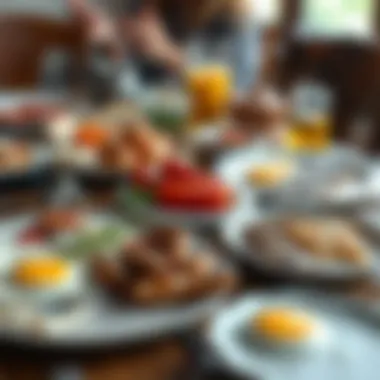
column 45, row 277
column 287, row 328
column 270, row 174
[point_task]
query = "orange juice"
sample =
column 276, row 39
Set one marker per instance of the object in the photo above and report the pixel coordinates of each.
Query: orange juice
column 210, row 90
column 312, row 135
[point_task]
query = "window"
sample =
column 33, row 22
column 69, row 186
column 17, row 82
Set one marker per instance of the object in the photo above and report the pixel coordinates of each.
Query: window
column 337, row 18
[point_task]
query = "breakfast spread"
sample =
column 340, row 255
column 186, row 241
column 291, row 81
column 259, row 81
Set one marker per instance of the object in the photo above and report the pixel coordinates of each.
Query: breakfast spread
column 162, row 266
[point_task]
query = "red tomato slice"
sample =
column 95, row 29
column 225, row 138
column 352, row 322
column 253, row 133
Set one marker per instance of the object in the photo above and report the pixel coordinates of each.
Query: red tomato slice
column 174, row 169
column 195, row 194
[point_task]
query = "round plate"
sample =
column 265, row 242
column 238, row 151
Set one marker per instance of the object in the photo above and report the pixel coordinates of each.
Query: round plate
column 313, row 174
column 349, row 348
column 99, row 322
column 294, row 266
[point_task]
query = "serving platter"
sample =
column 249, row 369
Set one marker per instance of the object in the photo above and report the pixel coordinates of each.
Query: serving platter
column 94, row 319
column 349, row 349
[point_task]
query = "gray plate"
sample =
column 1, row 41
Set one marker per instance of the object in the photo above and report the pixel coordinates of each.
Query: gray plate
column 292, row 264
column 349, row 350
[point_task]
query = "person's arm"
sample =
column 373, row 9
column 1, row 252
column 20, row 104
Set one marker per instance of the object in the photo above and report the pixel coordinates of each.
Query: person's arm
column 146, row 33
column 98, row 23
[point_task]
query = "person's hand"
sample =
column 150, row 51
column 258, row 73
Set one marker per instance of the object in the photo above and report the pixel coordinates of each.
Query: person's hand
column 99, row 28
column 149, row 38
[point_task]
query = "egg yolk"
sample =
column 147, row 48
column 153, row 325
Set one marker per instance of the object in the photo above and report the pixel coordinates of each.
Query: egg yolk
column 269, row 174
column 283, row 325
column 44, row 271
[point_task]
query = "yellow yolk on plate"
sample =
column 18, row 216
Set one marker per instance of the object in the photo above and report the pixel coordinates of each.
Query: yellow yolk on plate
column 41, row 272
column 283, row 325
column 270, row 174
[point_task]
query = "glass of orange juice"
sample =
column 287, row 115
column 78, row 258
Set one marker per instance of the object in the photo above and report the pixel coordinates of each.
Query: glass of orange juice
column 210, row 89
column 209, row 80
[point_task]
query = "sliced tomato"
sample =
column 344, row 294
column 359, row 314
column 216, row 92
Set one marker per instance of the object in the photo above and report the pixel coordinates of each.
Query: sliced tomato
column 195, row 194
column 176, row 169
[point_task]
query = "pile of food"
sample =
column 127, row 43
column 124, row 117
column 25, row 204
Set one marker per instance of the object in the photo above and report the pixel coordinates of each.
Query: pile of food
column 127, row 147
column 50, row 223
column 15, row 156
column 177, row 185
column 319, row 239
column 261, row 112
column 327, row 240
column 160, row 267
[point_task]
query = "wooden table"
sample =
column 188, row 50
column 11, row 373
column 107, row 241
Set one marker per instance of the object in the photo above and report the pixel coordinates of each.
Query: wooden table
column 170, row 359
column 155, row 361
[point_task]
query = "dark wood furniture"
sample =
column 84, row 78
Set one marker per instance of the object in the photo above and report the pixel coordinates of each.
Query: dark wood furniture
column 351, row 68
column 25, row 41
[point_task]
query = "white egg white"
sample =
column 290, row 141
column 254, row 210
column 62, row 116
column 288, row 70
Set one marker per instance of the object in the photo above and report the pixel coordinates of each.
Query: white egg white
column 316, row 341
column 71, row 286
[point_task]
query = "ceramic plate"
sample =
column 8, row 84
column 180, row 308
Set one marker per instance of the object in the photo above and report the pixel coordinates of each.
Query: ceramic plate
column 349, row 348
column 93, row 320
column 290, row 262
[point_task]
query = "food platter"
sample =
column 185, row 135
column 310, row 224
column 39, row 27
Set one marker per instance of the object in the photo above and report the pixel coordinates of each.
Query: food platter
column 34, row 166
column 348, row 348
column 90, row 318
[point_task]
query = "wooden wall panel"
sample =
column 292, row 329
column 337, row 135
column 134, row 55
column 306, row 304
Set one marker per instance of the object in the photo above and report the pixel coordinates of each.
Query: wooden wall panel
column 350, row 68
column 24, row 42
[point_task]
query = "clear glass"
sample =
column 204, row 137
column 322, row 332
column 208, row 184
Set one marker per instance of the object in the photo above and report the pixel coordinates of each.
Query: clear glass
column 209, row 80
column 311, row 123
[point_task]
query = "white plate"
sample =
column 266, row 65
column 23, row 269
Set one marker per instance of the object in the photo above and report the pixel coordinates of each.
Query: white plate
column 349, row 351
column 99, row 321
column 294, row 265
column 313, row 173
